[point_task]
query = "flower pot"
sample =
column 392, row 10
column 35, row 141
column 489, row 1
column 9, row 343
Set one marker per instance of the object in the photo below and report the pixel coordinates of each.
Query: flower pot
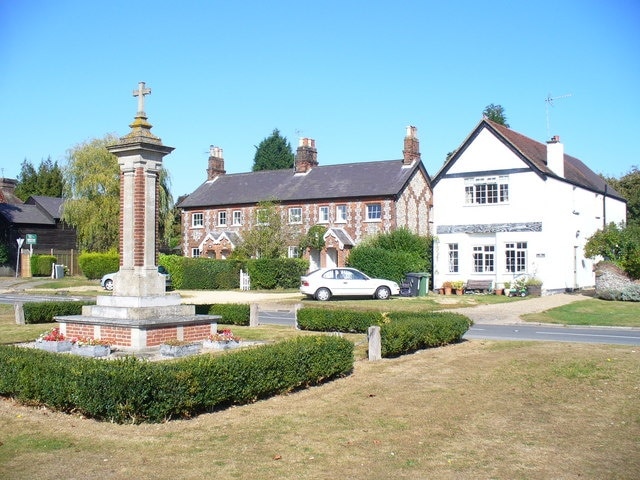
column 499, row 291
column 91, row 350
column 53, row 346
column 179, row 350
column 447, row 290
column 459, row 291
column 220, row 345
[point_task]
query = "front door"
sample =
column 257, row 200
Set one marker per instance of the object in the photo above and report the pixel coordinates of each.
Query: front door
column 332, row 258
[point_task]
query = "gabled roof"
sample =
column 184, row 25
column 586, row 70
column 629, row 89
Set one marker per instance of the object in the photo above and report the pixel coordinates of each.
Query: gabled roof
column 352, row 180
column 534, row 154
column 51, row 205
column 25, row 214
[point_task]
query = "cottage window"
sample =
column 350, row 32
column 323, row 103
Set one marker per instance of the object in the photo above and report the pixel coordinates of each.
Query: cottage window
column 454, row 260
column 486, row 190
column 195, row 252
column 295, row 215
column 516, row 257
column 484, row 258
column 374, row 212
column 237, row 217
column 222, row 218
column 323, row 215
column 293, row 252
column 341, row 214
column 197, row 220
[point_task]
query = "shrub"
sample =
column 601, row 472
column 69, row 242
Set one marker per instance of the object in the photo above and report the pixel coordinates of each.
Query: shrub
column 231, row 313
column 132, row 391
column 408, row 332
column 270, row 273
column 41, row 265
column 630, row 293
column 95, row 265
column 330, row 320
column 43, row 312
column 202, row 273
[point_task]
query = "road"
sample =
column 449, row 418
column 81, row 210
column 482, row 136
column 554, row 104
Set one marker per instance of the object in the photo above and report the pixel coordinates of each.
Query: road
column 11, row 298
column 611, row 335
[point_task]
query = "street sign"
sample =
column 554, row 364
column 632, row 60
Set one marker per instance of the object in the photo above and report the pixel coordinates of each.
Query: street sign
column 31, row 238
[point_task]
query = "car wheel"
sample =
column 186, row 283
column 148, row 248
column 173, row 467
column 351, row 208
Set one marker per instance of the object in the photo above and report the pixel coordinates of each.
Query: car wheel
column 323, row 294
column 383, row 293
column 108, row 284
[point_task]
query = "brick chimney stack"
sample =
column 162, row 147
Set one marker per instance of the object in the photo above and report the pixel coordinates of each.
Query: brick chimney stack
column 555, row 156
column 411, row 151
column 306, row 155
column 216, row 163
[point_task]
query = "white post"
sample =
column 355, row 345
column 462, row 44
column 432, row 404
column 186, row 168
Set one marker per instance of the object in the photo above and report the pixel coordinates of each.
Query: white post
column 20, row 242
column 375, row 343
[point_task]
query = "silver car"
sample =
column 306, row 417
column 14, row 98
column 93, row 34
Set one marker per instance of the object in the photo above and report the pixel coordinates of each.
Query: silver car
column 325, row 283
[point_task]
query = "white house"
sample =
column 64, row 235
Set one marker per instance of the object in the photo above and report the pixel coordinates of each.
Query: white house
column 506, row 206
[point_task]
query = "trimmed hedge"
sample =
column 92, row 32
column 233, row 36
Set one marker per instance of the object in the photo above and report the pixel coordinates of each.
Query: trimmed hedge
column 133, row 391
column 232, row 313
column 95, row 265
column 41, row 265
column 330, row 320
column 409, row 332
column 202, row 273
column 269, row 273
column 43, row 312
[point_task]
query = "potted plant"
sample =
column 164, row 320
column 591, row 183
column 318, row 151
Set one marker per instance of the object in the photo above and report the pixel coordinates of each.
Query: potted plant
column 534, row 286
column 458, row 286
column 499, row 289
column 90, row 347
column 53, row 341
column 222, row 340
column 446, row 286
column 179, row 348
column 507, row 288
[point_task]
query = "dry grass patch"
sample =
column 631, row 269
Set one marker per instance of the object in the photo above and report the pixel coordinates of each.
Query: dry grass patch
column 478, row 409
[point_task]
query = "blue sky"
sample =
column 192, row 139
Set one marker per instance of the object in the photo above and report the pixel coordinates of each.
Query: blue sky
column 350, row 74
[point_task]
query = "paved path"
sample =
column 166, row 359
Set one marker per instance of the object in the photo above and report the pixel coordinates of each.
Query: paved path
column 509, row 313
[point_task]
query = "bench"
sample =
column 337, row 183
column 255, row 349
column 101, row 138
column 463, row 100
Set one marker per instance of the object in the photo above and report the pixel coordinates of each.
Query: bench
column 478, row 285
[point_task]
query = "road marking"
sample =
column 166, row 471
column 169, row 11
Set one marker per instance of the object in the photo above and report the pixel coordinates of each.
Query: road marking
column 586, row 335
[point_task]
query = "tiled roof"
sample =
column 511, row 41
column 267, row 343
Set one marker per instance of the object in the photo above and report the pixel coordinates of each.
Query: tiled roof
column 575, row 171
column 52, row 205
column 25, row 214
column 385, row 178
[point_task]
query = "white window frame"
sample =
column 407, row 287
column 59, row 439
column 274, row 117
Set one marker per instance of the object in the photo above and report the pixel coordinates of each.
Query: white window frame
column 195, row 252
column 484, row 258
column 237, row 217
column 197, row 220
column 293, row 252
column 493, row 190
column 222, row 218
column 454, row 258
column 374, row 212
column 323, row 214
column 341, row 213
column 516, row 256
column 295, row 215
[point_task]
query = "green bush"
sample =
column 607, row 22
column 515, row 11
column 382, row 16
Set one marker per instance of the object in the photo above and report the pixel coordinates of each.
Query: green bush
column 270, row 273
column 231, row 313
column 202, row 273
column 95, row 265
column 41, row 265
column 43, row 312
column 132, row 391
column 330, row 320
column 408, row 332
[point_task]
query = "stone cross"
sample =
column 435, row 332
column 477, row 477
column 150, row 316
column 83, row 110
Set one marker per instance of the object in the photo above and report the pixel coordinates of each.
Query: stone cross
column 140, row 93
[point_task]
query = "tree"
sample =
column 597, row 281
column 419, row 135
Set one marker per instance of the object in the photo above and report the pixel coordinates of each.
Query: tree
column 92, row 190
column 93, row 196
column 273, row 153
column 629, row 187
column 495, row 113
column 619, row 244
column 48, row 180
column 267, row 236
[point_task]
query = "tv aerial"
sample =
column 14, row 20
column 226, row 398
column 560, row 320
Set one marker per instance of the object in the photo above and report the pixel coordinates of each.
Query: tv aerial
column 549, row 102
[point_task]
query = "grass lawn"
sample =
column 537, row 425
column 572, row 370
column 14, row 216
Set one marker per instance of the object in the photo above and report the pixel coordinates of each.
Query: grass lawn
column 478, row 409
column 592, row 311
